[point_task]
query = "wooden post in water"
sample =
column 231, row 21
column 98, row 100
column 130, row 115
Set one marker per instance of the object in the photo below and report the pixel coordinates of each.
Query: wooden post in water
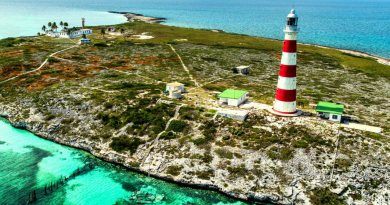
column 34, row 196
column 45, row 189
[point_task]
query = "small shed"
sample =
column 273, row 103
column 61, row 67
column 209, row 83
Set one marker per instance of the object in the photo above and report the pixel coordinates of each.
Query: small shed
column 243, row 69
column 329, row 111
column 175, row 86
column 85, row 41
column 233, row 97
column 234, row 114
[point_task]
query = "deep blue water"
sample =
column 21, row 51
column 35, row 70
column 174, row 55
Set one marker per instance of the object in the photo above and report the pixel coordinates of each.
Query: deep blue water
column 29, row 162
column 362, row 25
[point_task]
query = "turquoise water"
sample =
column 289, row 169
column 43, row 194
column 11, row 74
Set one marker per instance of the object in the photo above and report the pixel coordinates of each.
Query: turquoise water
column 29, row 162
column 361, row 25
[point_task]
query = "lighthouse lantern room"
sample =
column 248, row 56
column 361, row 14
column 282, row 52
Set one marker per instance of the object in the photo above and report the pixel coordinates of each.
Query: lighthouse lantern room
column 285, row 99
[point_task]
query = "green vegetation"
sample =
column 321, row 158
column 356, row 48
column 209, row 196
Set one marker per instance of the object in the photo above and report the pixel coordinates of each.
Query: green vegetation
column 325, row 196
column 174, row 170
column 283, row 153
column 224, row 153
column 168, row 136
column 124, row 143
column 67, row 121
column 177, row 126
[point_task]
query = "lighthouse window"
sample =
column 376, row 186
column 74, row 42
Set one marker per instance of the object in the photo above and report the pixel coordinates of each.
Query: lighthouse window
column 292, row 21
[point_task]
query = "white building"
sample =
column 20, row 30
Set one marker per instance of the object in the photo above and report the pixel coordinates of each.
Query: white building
column 329, row 111
column 233, row 97
column 234, row 114
column 64, row 34
column 175, row 86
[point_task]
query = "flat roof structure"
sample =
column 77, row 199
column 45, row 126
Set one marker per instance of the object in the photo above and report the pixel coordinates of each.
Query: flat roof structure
column 232, row 94
column 242, row 67
column 176, row 84
column 330, row 108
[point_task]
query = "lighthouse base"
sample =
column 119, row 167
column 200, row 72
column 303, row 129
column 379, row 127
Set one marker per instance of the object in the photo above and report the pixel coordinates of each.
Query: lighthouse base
column 274, row 112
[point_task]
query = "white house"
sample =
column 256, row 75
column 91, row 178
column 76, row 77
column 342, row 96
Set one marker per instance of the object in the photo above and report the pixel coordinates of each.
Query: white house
column 329, row 111
column 175, row 86
column 233, row 97
column 64, row 34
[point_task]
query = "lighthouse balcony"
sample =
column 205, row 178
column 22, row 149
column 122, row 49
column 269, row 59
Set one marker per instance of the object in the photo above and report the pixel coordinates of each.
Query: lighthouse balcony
column 291, row 29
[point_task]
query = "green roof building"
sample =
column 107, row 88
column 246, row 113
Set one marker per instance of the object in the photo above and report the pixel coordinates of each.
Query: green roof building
column 232, row 97
column 329, row 111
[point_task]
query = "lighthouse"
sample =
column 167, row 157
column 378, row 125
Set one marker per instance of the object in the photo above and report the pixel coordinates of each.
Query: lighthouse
column 286, row 93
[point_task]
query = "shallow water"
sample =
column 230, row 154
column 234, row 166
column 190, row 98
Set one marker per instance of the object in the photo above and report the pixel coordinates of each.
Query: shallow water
column 29, row 162
column 361, row 25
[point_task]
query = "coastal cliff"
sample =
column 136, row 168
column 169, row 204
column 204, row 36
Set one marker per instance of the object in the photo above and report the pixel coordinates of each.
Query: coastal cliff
column 108, row 99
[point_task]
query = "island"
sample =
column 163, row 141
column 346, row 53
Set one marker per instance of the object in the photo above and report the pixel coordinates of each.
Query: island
column 113, row 98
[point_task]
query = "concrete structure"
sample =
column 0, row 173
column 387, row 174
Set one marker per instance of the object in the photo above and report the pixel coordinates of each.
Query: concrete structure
column 233, row 97
column 242, row 69
column 329, row 111
column 175, row 86
column 285, row 99
column 85, row 41
column 175, row 94
column 234, row 114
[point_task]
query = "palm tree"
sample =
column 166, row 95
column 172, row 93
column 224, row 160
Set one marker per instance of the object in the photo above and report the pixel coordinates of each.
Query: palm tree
column 54, row 26
column 49, row 24
column 66, row 24
column 44, row 28
column 62, row 24
column 103, row 32
column 122, row 31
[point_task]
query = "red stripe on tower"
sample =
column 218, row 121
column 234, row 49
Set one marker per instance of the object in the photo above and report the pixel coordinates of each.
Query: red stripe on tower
column 286, row 95
column 290, row 46
column 288, row 71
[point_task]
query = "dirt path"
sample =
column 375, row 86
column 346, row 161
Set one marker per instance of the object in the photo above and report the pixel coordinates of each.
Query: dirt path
column 155, row 142
column 44, row 62
column 184, row 66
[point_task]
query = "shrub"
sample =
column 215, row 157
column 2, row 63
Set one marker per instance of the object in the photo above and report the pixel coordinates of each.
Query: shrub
column 237, row 155
column 168, row 136
column 200, row 141
column 325, row 196
column 50, row 117
column 174, row 170
column 124, row 143
column 282, row 154
column 134, row 164
column 300, row 144
column 224, row 153
column 226, row 137
column 53, row 60
column 67, row 121
column 177, row 126
column 100, row 45
column 204, row 174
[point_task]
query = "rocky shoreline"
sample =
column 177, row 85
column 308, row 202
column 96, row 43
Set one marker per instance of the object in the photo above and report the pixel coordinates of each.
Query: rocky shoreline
column 45, row 134
column 133, row 16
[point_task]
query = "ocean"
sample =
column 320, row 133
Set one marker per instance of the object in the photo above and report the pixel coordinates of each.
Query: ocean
column 361, row 25
column 29, row 163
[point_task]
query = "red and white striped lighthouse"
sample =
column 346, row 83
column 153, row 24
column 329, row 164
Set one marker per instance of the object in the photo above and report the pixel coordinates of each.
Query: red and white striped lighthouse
column 286, row 93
